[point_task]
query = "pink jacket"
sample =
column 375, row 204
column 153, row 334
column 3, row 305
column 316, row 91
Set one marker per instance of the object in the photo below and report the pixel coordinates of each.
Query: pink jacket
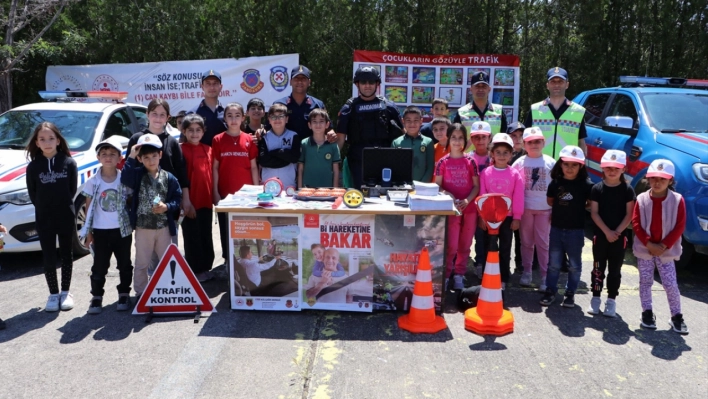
column 508, row 182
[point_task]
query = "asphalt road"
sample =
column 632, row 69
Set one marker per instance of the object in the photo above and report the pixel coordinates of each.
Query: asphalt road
column 553, row 353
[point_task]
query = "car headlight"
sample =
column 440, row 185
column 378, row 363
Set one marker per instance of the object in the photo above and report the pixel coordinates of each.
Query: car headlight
column 20, row 197
column 701, row 171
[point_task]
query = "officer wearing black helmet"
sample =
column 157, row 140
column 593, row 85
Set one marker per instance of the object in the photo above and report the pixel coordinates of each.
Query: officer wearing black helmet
column 367, row 120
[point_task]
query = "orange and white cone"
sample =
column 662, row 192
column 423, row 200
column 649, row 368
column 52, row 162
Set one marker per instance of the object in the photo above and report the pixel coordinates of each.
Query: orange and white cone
column 489, row 317
column 422, row 317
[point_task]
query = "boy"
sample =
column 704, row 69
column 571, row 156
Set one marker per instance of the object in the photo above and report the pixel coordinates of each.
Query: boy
column 480, row 133
column 319, row 160
column 156, row 196
column 252, row 266
column 316, row 284
column 279, row 148
column 440, row 126
column 317, row 268
column 197, row 223
column 255, row 111
column 178, row 124
column 516, row 132
column 107, row 226
column 440, row 110
column 423, row 150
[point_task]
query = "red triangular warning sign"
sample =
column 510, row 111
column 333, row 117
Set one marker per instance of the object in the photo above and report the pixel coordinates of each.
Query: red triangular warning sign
column 173, row 288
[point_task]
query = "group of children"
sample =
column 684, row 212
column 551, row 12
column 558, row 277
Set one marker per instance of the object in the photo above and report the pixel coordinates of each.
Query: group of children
column 162, row 179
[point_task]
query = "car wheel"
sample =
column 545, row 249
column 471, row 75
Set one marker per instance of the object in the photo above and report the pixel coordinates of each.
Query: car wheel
column 80, row 249
column 686, row 255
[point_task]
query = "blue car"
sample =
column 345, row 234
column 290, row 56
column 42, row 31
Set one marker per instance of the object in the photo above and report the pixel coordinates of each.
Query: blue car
column 652, row 118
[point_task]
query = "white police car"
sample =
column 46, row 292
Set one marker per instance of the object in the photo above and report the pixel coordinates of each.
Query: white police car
column 84, row 124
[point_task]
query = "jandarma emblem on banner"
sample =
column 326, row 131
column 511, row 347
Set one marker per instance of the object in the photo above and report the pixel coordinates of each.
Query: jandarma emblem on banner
column 279, row 77
column 251, row 81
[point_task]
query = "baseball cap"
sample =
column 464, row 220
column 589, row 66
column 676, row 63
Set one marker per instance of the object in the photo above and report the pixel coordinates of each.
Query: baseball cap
column 514, row 127
column 557, row 72
column 480, row 128
column 613, row 159
column 150, row 139
column 112, row 142
column 661, row 168
column 480, row 77
column 300, row 70
column 211, row 73
column 571, row 153
column 503, row 138
column 533, row 133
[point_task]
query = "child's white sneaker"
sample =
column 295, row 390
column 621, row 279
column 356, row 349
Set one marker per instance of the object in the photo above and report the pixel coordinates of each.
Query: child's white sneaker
column 525, row 280
column 52, row 303
column 595, row 303
column 67, row 300
column 610, row 308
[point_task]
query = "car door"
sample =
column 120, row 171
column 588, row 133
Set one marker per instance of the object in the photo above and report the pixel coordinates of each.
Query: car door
column 595, row 105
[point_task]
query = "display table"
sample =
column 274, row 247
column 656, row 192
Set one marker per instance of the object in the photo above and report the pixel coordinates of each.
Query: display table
column 305, row 255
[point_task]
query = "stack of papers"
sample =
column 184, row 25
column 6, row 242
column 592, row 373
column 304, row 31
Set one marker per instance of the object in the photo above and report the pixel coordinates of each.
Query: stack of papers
column 438, row 202
column 428, row 189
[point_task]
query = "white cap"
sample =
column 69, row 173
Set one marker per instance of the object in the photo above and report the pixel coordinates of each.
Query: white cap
column 613, row 159
column 480, row 128
column 112, row 142
column 533, row 133
column 661, row 168
column 503, row 138
column 150, row 139
column 571, row 153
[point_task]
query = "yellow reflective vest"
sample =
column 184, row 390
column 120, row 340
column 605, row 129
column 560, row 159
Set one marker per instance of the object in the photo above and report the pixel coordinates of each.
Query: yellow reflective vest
column 561, row 132
column 493, row 116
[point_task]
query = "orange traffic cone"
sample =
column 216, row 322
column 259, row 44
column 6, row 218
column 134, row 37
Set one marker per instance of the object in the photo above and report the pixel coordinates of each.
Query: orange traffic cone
column 489, row 317
column 422, row 318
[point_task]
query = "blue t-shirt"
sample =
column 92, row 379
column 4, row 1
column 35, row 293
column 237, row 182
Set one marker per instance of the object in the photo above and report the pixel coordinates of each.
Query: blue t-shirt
column 318, row 267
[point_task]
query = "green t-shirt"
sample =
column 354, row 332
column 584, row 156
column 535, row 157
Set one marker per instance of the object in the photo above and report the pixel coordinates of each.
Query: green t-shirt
column 318, row 161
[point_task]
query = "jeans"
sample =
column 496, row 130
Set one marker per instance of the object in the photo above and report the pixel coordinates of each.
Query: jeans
column 565, row 241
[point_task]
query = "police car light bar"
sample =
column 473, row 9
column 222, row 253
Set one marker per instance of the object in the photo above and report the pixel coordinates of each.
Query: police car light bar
column 70, row 95
column 696, row 83
column 644, row 80
column 58, row 95
column 110, row 95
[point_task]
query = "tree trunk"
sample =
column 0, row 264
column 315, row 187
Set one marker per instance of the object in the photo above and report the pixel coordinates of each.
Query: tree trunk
column 5, row 91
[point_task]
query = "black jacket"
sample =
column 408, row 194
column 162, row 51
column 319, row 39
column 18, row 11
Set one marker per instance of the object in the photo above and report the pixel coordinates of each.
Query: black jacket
column 52, row 185
column 172, row 158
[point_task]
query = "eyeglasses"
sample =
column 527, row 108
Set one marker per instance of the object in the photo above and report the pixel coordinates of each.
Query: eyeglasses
column 277, row 117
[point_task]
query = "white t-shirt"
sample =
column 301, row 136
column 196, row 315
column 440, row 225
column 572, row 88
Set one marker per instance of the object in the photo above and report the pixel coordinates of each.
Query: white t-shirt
column 536, row 173
column 105, row 211
column 338, row 296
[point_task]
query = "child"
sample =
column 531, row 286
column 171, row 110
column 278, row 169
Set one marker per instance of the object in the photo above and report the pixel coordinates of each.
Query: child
column 611, row 205
column 107, row 225
column 440, row 127
column 279, row 148
column 456, row 174
column 423, row 150
column 440, row 110
column 178, row 123
column 658, row 220
column 3, row 230
column 500, row 178
column 319, row 160
column 233, row 165
column 254, row 267
column 567, row 195
column 516, row 131
column 479, row 136
column 156, row 196
column 317, row 268
column 535, row 168
column 51, row 185
column 196, row 225
column 255, row 111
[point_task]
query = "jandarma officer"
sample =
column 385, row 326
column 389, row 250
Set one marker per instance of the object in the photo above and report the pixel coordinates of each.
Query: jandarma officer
column 481, row 109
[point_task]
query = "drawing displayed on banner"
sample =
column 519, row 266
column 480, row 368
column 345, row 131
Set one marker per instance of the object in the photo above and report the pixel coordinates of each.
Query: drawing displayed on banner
column 397, row 94
column 399, row 240
column 423, row 94
column 450, row 76
column 423, row 75
column 504, row 97
column 503, row 77
column 396, row 74
column 265, row 262
column 453, row 95
column 337, row 259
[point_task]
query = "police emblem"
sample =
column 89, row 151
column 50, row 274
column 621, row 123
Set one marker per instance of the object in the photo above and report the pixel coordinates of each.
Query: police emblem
column 289, row 303
column 481, row 77
column 574, row 153
column 422, row 148
column 613, row 157
column 251, row 81
column 279, row 78
column 660, row 167
column 249, row 302
column 239, row 302
column 556, row 71
column 147, row 139
column 328, row 156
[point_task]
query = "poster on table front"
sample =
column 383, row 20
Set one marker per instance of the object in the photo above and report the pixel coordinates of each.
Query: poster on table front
column 337, row 262
column 414, row 79
column 265, row 262
column 399, row 240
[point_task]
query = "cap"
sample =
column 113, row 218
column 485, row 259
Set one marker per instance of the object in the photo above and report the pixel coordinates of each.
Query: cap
column 479, row 128
column 150, row 139
column 661, row 168
column 533, row 133
column 514, row 127
column 113, row 142
column 503, row 138
column 181, row 114
column 571, row 153
column 300, row 70
column 557, row 72
column 613, row 159
column 480, row 77
column 211, row 73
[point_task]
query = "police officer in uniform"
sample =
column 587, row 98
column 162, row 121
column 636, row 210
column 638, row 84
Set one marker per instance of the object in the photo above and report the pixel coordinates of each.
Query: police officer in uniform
column 561, row 120
column 480, row 109
column 367, row 120
column 210, row 108
column 299, row 103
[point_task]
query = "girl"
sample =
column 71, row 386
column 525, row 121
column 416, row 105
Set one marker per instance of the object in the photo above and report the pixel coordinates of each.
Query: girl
column 52, row 184
column 500, row 178
column 611, row 204
column 567, row 195
column 456, row 174
column 658, row 220
column 535, row 168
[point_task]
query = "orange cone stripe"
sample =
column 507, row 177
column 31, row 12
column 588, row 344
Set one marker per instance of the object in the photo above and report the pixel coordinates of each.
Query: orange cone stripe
column 424, row 276
column 420, row 290
column 422, row 302
column 493, row 257
column 490, row 295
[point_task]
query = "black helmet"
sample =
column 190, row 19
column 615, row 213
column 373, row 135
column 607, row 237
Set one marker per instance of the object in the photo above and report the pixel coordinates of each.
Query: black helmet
column 367, row 73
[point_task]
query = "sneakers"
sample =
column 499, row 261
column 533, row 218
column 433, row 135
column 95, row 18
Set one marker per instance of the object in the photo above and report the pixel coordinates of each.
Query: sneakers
column 548, row 298
column 569, row 301
column 96, row 305
column 52, row 303
column 67, row 300
column 595, row 303
column 204, row 277
column 123, row 302
column 678, row 325
column 542, row 287
column 525, row 280
column 459, row 283
column 648, row 320
column 2, row 325
column 480, row 271
column 610, row 307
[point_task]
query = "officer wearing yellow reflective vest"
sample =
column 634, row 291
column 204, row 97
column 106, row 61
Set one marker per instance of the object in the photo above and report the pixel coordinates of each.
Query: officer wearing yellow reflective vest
column 561, row 120
column 480, row 109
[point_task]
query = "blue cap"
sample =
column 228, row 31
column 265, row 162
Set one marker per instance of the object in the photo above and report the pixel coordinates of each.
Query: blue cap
column 211, row 73
column 300, row 70
column 557, row 72
column 514, row 127
column 480, row 77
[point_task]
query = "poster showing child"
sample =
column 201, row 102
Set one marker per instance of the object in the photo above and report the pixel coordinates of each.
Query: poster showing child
column 337, row 263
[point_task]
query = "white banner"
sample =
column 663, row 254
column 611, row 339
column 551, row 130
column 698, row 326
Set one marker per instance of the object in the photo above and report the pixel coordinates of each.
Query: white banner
column 179, row 82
